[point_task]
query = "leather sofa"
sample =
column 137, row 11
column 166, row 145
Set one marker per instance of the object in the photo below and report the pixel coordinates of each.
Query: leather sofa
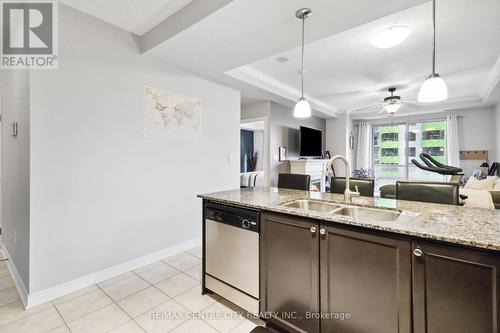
column 389, row 192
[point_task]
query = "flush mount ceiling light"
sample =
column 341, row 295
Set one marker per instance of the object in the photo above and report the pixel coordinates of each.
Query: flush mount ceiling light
column 434, row 88
column 302, row 108
column 391, row 37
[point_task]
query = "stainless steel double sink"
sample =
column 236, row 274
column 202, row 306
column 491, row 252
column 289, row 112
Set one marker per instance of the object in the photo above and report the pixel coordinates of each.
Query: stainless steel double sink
column 335, row 209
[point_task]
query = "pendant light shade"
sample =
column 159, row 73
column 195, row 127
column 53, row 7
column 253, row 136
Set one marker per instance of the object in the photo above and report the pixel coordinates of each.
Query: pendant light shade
column 434, row 88
column 302, row 108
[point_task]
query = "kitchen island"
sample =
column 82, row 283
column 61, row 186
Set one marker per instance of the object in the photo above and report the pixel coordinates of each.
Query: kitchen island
column 431, row 268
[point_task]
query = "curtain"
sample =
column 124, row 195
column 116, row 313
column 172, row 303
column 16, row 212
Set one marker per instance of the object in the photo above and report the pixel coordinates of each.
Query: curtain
column 452, row 149
column 364, row 147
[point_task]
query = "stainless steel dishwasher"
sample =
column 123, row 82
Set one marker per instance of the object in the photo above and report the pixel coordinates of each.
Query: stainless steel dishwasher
column 232, row 254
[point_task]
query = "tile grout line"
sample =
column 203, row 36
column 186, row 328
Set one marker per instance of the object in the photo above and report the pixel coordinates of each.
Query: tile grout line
column 71, row 299
column 18, row 298
column 150, row 285
column 113, row 301
column 29, row 315
column 169, row 298
column 60, row 315
column 118, row 305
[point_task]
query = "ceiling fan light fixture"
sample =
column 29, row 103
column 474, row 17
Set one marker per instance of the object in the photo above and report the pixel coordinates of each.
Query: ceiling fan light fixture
column 433, row 90
column 392, row 108
column 390, row 37
column 302, row 109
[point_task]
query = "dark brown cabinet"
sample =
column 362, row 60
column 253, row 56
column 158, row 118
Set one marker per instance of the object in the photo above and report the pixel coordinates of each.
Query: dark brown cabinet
column 368, row 281
column 363, row 278
column 455, row 290
column 290, row 270
column 367, row 277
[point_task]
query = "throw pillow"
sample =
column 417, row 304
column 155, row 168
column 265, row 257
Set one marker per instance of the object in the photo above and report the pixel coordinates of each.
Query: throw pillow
column 483, row 184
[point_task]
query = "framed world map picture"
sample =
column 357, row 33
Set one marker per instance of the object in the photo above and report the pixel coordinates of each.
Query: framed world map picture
column 171, row 115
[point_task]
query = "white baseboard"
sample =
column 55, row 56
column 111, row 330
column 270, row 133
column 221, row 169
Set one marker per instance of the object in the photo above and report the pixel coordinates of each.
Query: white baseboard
column 21, row 288
column 52, row 293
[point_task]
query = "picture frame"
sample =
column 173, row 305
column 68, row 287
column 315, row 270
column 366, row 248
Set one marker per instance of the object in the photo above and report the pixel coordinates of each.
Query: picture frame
column 477, row 174
column 282, row 154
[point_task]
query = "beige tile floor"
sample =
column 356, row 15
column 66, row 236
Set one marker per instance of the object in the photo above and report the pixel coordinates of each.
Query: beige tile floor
column 161, row 297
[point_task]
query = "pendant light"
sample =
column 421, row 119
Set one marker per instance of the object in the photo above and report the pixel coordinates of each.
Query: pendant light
column 434, row 88
column 302, row 108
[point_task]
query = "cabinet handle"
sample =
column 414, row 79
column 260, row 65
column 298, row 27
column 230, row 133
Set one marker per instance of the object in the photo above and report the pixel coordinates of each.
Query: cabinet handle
column 418, row 252
column 322, row 231
column 313, row 230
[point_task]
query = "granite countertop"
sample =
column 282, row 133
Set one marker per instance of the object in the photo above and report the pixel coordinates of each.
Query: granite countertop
column 475, row 227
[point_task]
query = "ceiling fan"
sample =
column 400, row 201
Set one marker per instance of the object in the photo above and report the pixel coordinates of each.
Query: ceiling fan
column 391, row 104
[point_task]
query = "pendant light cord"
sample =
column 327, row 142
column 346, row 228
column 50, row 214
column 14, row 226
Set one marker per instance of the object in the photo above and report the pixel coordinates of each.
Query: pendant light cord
column 302, row 70
column 433, row 37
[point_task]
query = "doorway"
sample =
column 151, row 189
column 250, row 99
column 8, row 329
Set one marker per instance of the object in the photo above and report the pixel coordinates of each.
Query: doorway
column 253, row 152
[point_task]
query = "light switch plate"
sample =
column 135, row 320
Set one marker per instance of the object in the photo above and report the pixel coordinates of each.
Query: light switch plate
column 14, row 129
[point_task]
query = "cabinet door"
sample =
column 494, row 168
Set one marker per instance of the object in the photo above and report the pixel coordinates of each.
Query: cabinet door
column 365, row 276
column 289, row 270
column 455, row 290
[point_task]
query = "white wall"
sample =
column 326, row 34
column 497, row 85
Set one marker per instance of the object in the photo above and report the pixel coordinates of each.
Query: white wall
column 101, row 193
column 476, row 128
column 497, row 132
column 284, row 131
column 256, row 110
column 258, row 147
column 14, row 90
column 337, row 136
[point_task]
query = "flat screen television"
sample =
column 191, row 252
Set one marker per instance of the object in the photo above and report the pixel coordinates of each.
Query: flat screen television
column 310, row 142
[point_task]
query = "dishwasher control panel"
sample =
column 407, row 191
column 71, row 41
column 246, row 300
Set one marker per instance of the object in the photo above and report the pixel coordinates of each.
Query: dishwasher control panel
column 237, row 217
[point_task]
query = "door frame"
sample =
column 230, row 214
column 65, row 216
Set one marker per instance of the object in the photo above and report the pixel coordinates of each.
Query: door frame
column 266, row 160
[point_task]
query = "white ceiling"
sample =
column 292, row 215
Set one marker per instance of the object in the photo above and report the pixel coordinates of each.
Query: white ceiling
column 136, row 16
column 236, row 42
column 345, row 72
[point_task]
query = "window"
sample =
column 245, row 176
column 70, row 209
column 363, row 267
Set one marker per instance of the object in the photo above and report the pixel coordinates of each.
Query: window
column 433, row 135
column 390, row 152
column 390, row 136
column 395, row 145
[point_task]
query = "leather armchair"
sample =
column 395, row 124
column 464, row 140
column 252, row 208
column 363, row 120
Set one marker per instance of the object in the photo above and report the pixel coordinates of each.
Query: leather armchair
column 435, row 192
column 365, row 186
column 294, row 181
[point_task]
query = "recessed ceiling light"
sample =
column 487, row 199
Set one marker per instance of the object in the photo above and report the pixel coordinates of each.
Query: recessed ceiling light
column 390, row 37
column 282, row 59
